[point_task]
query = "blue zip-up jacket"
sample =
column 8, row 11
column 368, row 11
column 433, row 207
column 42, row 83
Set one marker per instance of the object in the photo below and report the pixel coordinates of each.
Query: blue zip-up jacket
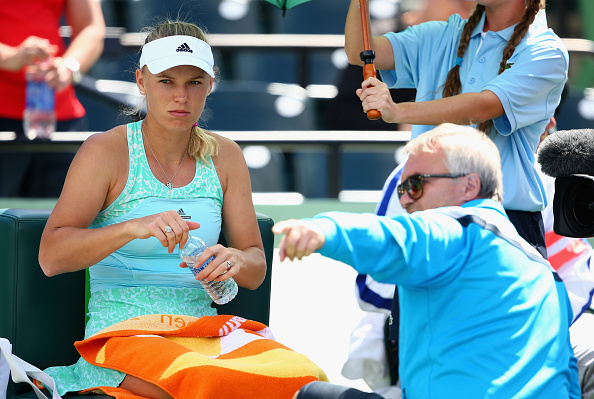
column 479, row 317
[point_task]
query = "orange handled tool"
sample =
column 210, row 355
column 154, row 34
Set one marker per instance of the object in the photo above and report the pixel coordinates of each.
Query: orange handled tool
column 367, row 55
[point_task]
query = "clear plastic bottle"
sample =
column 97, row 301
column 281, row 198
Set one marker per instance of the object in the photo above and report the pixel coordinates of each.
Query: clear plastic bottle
column 39, row 118
column 221, row 292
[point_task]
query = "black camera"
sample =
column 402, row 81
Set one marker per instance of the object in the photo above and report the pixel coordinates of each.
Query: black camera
column 573, row 206
column 568, row 156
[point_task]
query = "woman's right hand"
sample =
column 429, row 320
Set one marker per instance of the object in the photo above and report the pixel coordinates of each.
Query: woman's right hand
column 375, row 94
column 168, row 227
column 32, row 50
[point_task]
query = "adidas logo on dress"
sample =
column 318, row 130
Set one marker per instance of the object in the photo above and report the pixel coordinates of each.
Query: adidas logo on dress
column 184, row 47
column 183, row 214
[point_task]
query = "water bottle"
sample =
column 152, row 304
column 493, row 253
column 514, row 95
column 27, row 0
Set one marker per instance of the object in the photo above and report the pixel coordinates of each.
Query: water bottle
column 39, row 119
column 221, row 292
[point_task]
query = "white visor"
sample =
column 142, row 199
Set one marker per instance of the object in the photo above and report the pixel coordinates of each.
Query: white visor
column 171, row 51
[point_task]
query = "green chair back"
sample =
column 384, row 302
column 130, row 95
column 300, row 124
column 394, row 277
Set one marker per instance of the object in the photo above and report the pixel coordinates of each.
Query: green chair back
column 42, row 317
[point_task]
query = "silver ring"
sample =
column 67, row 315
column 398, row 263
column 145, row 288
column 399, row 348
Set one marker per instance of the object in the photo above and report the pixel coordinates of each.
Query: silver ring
column 228, row 265
column 168, row 229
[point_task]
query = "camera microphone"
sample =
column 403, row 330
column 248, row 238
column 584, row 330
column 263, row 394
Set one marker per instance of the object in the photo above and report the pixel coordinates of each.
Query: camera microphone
column 568, row 152
column 568, row 156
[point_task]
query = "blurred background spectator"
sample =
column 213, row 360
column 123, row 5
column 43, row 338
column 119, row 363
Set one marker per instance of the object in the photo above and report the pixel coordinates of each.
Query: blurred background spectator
column 31, row 35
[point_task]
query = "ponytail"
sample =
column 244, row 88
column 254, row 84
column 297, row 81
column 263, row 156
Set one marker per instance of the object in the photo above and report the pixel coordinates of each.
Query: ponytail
column 202, row 144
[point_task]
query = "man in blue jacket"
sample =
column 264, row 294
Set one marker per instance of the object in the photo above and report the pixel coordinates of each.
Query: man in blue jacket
column 482, row 314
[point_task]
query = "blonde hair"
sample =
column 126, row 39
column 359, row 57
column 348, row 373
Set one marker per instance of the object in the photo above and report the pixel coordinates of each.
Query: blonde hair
column 453, row 85
column 466, row 150
column 202, row 144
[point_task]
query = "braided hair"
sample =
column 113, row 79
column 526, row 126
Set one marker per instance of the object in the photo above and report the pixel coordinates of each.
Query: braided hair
column 453, row 85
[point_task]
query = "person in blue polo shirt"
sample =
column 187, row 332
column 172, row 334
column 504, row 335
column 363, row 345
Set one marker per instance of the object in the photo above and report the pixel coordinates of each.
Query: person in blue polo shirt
column 502, row 70
column 482, row 313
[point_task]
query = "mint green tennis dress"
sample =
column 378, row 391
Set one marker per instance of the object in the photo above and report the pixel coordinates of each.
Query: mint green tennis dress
column 142, row 277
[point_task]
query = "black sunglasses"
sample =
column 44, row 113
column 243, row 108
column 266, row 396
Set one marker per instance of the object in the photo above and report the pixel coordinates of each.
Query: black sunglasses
column 414, row 184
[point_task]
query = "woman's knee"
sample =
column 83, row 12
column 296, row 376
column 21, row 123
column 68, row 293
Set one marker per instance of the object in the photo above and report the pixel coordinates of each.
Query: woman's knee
column 143, row 388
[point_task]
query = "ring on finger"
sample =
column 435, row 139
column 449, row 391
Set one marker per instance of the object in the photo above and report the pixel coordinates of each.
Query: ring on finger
column 168, row 229
column 228, row 265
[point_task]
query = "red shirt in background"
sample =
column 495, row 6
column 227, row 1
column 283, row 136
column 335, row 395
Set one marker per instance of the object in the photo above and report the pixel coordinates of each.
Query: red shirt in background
column 19, row 20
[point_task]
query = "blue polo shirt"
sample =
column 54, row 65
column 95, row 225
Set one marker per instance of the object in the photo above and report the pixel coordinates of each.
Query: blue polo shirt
column 529, row 90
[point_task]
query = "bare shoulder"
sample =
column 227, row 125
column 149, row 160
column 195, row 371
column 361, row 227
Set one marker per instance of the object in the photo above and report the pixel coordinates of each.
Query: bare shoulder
column 98, row 166
column 229, row 150
column 105, row 146
column 229, row 162
column 226, row 145
column 104, row 154
column 112, row 138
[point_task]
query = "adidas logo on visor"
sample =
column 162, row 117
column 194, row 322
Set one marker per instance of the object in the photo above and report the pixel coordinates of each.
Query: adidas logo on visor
column 185, row 50
column 184, row 47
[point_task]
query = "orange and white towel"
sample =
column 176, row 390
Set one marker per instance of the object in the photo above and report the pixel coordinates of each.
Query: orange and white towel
column 209, row 357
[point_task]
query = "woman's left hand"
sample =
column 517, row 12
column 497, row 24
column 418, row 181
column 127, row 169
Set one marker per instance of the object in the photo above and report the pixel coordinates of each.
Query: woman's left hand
column 223, row 266
column 58, row 75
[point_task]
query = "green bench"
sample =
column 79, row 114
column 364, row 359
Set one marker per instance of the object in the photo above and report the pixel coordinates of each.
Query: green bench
column 42, row 317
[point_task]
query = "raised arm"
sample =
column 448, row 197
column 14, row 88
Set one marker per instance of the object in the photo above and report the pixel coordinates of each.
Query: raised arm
column 384, row 55
column 462, row 109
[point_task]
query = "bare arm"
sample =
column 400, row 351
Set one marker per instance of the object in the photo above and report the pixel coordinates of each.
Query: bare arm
column 384, row 55
column 66, row 243
column 86, row 46
column 86, row 42
column 245, row 250
column 30, row 51
column 463, row 109
column 88, row 32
